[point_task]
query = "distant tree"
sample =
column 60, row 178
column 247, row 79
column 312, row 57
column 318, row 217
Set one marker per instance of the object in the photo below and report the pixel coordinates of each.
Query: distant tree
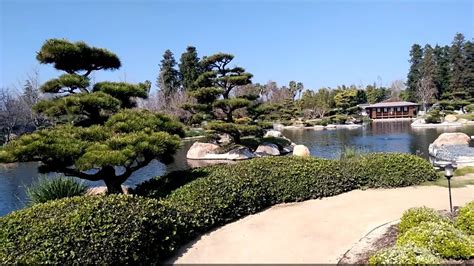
column 414, row 74
column 457, row 80
column 426, row 91
column 376, row 94
column 469, row 72
column 396, row 88
column 346, row 98
column 441, row 54
column 12, row 113
column 317, row 102
column 428, row 65
column 190, row 68
column 168, row 80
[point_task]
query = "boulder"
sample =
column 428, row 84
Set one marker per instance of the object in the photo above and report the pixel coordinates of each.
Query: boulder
column 199, row 150
column 450, row 118
column 273, row 133
column 102, row 190
column 224, row 139
column 241, row 153
column 452, row 139
column 267, row 149
column 301, row 150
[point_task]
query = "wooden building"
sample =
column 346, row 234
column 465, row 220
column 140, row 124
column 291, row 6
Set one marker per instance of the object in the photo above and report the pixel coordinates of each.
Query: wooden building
column 392, row 109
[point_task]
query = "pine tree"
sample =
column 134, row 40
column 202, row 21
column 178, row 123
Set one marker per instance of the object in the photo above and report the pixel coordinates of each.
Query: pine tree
column 426, row 88
column 441, row 55
column 414, row 75
column 458, row 68
column 189, row 68
column 127, row 140
column 168, row 78
column 469, row 71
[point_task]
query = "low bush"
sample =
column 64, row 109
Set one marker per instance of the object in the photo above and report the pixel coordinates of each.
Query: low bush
column 404, row 255
column 414, row 216
column 121, row 229
column 465, row 219
column 469, row 108
column 442, row 239
column 88, row 230
column 338, row 119
column 45, row 189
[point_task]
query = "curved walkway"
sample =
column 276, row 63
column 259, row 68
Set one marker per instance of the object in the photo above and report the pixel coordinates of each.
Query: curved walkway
column 314, row 231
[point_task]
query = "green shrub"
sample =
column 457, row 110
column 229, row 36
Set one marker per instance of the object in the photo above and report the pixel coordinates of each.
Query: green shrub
column 414, row 216
column 45, row 189
column 127, row 229
column 338, row 119
column 348, row 152
column 469, row 108
column 441, row 239
column 465, row 219
column 376, row 170
column 88, row 230
column 404, row 255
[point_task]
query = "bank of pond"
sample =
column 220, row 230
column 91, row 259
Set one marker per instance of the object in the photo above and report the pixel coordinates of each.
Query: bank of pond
column 166, row 212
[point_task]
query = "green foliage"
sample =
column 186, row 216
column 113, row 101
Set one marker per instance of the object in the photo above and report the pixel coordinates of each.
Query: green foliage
column 78, row 56
column 404, row 255
column 168, row 78
column 236, row 131
column 376, row 94
column 46, row 189
column 125, row 229
column 469, row 108
column 65, row 83
column 414, row 74
column 190, row 68
column 338, row 119
column 441, row 239
column 130, row 139
column 124, row 92
column 414, row 216
column 116, row 229
column 348, row 152
column 465, row 219
column 433, row 117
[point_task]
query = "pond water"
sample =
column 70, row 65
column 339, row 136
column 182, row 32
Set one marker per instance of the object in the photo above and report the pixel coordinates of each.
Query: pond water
column 374, row 137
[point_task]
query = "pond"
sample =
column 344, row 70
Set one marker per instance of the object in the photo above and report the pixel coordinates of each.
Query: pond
column 374, row 137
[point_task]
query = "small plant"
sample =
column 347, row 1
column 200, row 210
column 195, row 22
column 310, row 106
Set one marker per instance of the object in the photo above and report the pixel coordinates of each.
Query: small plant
column 408, row 254
column 349, row 152
column 441, row 239
column 465, row 219
column 46, row 189
column 414, row 216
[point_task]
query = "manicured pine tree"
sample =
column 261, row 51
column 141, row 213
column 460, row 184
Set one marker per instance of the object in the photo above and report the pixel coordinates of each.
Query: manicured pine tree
column 109, row 148
column 189, row 68
column 168, row 80
column 74, row 100
column 414, row 74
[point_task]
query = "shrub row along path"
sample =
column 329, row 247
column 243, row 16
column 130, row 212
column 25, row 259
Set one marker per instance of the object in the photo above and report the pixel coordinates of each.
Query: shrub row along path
column 314, row 231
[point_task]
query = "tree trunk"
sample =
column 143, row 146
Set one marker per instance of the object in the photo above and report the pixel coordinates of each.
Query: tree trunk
column 113, row 183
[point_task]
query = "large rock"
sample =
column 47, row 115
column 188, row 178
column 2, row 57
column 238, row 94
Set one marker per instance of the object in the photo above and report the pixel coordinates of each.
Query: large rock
column 273, row 133
column 301, row 150
column 199, row 150
column 241, row 153
column 450, row 118
column 267, row 149
column 452, row 139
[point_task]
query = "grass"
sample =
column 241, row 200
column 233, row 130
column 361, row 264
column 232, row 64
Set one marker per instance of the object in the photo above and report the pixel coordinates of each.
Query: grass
column 349, row 152
column 197, row 132
column 464, row 171
column 45, row 189
column 469, row 117
column 455, row 182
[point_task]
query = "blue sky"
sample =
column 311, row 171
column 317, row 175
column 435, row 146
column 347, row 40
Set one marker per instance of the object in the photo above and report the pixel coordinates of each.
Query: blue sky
column 320, row 43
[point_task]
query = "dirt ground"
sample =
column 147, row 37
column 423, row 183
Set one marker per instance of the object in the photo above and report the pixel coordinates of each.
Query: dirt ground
column 314, row 231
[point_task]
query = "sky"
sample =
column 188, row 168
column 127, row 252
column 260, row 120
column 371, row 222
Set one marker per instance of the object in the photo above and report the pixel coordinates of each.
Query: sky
column 319, row 43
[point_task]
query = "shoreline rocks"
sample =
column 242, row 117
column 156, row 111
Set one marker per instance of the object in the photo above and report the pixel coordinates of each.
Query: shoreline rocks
column 452, row 148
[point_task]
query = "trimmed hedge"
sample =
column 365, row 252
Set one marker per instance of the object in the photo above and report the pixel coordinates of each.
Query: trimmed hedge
column 88, row 230
column 441, row 239
column 123, row 229
column 414, row 216
column 465, row 219
column 404, row 255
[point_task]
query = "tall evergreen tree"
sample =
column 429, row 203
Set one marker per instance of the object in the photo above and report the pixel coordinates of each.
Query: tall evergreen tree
column 414, row 74
column 469, row 71
column 426, row 88
column 441, row 54
column 168, row 78
column 189, row 68
column 458, row 68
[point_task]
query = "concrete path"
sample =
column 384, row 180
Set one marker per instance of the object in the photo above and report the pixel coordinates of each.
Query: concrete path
column 314, row 231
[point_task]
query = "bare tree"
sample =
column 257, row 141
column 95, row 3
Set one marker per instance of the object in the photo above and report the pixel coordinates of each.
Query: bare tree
column 396, row 87
column 172, row 105
column 426, row 91
column 12, row 113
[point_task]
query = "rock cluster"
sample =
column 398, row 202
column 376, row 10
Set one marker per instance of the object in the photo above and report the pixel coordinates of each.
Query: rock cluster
column 452, row 148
